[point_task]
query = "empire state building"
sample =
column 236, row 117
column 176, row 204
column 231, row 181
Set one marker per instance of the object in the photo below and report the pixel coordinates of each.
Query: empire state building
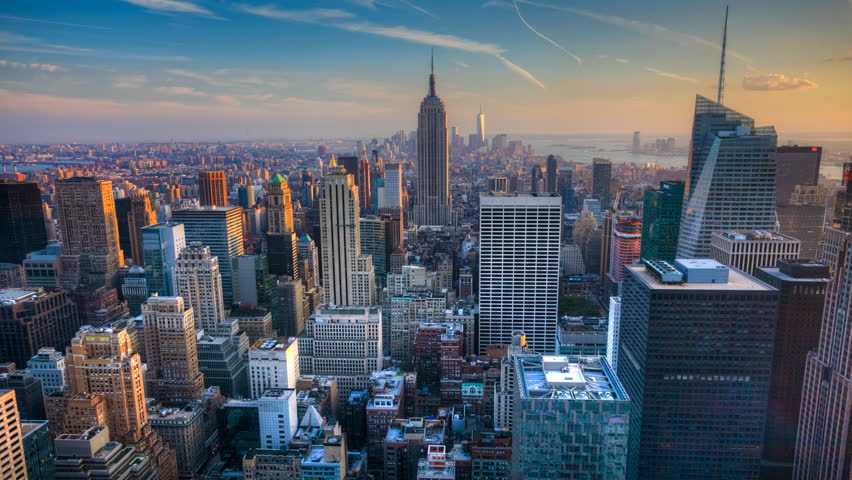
column 434, row 206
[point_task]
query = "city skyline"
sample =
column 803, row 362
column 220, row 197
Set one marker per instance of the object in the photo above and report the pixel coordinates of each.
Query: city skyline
column 285, row 77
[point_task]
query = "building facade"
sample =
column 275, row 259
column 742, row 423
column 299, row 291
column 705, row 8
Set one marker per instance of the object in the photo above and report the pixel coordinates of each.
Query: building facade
column 198, row 281
column 750, row 250
column 161, row 246
column 23, row 219
column 661, row 213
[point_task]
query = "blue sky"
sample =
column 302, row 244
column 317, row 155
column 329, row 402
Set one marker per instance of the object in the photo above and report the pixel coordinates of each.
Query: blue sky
column 206, row 69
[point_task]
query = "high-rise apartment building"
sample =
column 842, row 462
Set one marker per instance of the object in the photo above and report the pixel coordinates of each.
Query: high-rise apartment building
column 434, row 203
column 520, row 238
column 273, row 363
column 822, row 451
column 221, row 229
column 341, row 242
column 661, row 213
column 580, row 402
column 802, row 285
column 170, row 351
column 198, row 281
column 90, row 250
column 751, row 250
column 212, row 189
column 161, row 246
column 23, row 222
column 707, row 360
column 601, row 178
column 345, row 342
column 35, row 318
column 795, row 165
column 626, row 244
column 731, row 178
column 11, row 439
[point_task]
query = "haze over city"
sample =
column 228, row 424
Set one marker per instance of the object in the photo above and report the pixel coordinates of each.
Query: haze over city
column 207, row 70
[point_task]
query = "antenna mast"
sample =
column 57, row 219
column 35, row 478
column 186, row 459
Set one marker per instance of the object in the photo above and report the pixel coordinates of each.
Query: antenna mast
column 722, row 65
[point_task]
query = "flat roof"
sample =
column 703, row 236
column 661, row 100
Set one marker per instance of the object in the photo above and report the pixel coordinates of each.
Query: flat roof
column 737, row 280
column 777, row 273
column 563, row 377
column 16, row 295
column 520, row 199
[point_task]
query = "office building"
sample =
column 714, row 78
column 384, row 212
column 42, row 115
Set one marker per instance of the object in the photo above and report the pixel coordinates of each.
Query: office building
column 273, row 363
column 161, row 246
column 341, row 242
column 134, row 289
column 12, row 275
column 140, row 215
column 198, row 280
column 625, row 244
column 750, row 250
column 256, row 323
column 520, row 237
column 220, row 359
column 601, row 178
column 308, row 257
column 801, row 285
column 35, row 318
column 219, row 228
column 69, row 413
column 294, row 308
column 434, row 203
column 795, row 165
column 11, row 439
column 253, row 285
column 374, row 242
column 823, row 436
column 171, row 355
column 48, row 366
column 22, row 217
column 393, row 185
column 345, row 342
column 613, row 332
column 578, row 400
column 246, row 197
column 90, row 249
column 282, row 254
column 38, row 449
column 551, row 175
column 91, row 454
column 536, row 180
column 43, row 268
column 804, row 219
column 582, row 336
column 277, row 417
column 661, row 214
column 637, row 143
column 28, row 392
column 212, row 189
column 184, row 430
column 707, row 360
column 480, row 129
column 731, row 178
column 359, row 168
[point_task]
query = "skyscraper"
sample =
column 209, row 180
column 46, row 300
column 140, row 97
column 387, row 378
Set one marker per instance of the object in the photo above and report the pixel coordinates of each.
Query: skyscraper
column 551, row 175
column 822, row 451
column 90, row 250
column 795, row 165
column 34, row 318
column 601, row 178
column 520, row 239
column 661, row 221
column 170, row 351
column 11, row 439
column 198, row 280
column 747, row 251
column 161, row 246
column 731, row 178
column 480, row 127
column 22, row 218
column 802, row 285
column 279, row 207
column 359, row 168
column 535, row 179
column 140, row 215
column 637, row 143
column 434, row 204
column 212, row 188
column 221, row 229
column 706, row 361
column 341, row 239
column 626, row 241
column 309, row 260
column 374, row 242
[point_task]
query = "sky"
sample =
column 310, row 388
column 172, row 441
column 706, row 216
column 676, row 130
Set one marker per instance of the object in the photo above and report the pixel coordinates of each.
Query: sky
column 147, row 70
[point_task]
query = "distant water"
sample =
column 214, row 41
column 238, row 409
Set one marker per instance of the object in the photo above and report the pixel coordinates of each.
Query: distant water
column 583, row 148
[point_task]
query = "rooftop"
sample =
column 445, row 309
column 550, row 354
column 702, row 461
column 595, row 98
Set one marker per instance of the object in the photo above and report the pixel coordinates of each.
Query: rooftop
column 754, row 235
column 273, row 343
column 567, row 378
column 737, row 281
column 11, row 296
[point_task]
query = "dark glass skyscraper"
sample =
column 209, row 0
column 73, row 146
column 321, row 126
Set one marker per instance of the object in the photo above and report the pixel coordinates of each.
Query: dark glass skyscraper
column 601, row 177
column 661, row 221
column 22, row 219
column 551, row 175
column 795, row 166
column 695, row 356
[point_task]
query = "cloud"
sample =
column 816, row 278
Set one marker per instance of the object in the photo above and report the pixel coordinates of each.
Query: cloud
column 311, row 15
column 52, row 22
column 129, row 81
column 521, row 71
column 674, row 76
column 460, row 63
column 20, row 43
column 622, row 60
column 644, row 28
column 498, row 4
column 174, row 6
column 187, row 91
column 775, row 82
column 44, row 67
column 560, row 47
column 840, row 58
column 242, row 78
column 418, row 8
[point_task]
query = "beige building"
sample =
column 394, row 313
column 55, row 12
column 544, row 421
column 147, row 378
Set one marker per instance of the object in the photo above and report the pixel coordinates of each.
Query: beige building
column 273, row 363
column 68, row 413
column 751, row 250
column 12, row 466
column 198, row 281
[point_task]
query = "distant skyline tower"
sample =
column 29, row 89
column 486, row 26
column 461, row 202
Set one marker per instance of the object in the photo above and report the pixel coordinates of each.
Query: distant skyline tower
column 91, row 254
column 637, row 143
column 212, row 188
column 601, row 178
column 731, row 177
column 434, row 204
column 281, row 237
column 22, row 217
column 198, row 280
column 480, row 126
column 551, row 175
column 519, row 276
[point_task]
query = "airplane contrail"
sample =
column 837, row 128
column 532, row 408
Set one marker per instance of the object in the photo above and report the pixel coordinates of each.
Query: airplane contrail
column 560, row 47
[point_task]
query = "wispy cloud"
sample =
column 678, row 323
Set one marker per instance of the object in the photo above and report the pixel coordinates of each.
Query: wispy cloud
column 497, row 4
column 418, row 8
column 546, row 38
column 311, row 15
column 51, row 22
column 775, row 82
column 622, row 60
column 192, row 92
column 840, row 58
column 174, row 6
column 129, row 81
column 521, row 72
column 674, row 76
column 19, row 43
column 460, row 63
column 644, row 28
column 227, row 77
column 44, row 67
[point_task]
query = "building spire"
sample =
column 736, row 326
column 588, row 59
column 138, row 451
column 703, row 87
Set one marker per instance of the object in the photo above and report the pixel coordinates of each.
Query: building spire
column 432, row 77
column 722, row 65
